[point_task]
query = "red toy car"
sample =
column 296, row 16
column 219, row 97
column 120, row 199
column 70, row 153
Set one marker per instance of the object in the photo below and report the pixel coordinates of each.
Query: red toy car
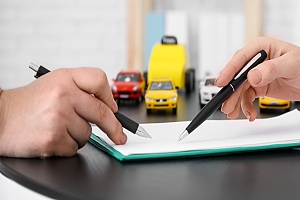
column 128, row 85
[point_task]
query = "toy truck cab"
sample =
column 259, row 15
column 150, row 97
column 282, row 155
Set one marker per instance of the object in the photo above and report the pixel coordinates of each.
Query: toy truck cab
column 170, row 60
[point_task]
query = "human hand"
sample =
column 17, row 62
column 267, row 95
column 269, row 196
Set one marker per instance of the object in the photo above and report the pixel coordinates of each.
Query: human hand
column 278, row 76
column 50, row 116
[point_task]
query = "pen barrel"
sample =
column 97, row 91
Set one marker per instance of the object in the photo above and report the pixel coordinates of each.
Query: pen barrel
column 225, row 92
column 210, row 107
column 127, row 123
column 239, row 79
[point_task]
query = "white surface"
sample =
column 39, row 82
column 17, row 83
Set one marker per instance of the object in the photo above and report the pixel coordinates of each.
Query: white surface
column 176, row 24
column 212, row 134
column 220, row 34
column 61, row 34
column 12, row 190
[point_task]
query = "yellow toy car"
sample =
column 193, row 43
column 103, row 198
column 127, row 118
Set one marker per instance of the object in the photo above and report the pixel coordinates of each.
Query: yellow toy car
column 170, row 60
column 161, row 94
column 273, row 103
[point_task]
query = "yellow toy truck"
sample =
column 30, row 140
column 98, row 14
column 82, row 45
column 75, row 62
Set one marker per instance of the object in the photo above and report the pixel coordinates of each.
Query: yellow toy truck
column 170, row 60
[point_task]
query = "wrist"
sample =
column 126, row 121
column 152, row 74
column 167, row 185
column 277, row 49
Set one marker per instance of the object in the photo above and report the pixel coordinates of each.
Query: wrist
column 2, row 112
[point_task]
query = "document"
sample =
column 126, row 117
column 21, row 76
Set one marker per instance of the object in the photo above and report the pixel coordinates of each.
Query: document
column 211, row 138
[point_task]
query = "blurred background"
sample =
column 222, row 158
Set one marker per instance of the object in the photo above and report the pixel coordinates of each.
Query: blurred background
column 115, row 34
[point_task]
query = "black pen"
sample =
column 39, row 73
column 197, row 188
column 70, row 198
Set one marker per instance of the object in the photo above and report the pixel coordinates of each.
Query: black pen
column 223, row 94
column 126, row 122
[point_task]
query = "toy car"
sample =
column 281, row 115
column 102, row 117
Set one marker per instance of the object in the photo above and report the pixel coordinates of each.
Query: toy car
column 170, row 60
column 207, row 90
column 266, row 103
column 161, row 94
column 128, row 85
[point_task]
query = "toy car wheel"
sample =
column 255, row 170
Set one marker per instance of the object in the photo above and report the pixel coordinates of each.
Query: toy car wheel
column 148, row 111
column 117, row 101
column 146, row 78
column 192, row 71
column 174, row 111
column 139, row 100
column 262, row 110
column 189, row 81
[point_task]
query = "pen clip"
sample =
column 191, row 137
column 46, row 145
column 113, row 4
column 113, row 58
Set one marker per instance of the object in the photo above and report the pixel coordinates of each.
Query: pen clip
column 249, row 64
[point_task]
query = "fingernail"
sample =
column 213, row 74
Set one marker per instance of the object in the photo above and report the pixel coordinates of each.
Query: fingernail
column 255, row 76
column 115, row 106
column 216, row 80
column 247, row 114
column 222, row 107
column 123, row 138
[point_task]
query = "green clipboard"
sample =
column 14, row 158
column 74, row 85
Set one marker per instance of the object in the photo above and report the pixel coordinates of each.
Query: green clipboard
column 102, row 145
column 214, row 137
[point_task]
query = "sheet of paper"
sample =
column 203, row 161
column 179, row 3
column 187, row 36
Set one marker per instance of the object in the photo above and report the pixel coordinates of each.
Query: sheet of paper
column 212, row 134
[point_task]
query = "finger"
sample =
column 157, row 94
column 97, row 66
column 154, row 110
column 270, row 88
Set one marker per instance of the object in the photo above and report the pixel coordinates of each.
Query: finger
column 236, row 111
column 236, row 108
column 247, row 104
column 94, row 81
column 59, row 143
column 230, row 104
column 67, row 147
column 81, row 132
column 94, row 110
column 270, row 70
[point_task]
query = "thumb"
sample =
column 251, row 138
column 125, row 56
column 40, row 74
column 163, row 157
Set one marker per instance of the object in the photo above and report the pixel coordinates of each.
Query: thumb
column 266, row 72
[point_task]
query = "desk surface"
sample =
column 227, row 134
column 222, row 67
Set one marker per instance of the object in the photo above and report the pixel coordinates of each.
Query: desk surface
column 92, row 174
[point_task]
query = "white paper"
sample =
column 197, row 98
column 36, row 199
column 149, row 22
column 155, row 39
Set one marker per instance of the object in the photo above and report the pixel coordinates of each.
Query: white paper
column 212, row 134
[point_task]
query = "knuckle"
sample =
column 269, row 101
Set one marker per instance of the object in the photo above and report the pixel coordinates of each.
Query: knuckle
column 102, row 111
column 72, row 150
column 270, row 67
column 48, row 144
column 86, row 136
column 101, row 77
column 57, row 92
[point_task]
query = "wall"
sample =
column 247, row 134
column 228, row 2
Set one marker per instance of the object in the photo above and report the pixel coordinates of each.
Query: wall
column 72, row 33
column 281, row 20
column 60, row 33
column 200, row 40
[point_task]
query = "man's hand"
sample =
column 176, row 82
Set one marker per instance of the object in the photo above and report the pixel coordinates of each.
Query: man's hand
column 50, row 116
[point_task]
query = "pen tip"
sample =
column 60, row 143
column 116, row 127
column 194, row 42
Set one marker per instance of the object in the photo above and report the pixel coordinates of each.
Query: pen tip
column 142, row 132
column 183, row 135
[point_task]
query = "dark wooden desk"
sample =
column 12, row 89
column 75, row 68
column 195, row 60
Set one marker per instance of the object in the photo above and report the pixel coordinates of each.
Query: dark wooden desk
column 92, row 174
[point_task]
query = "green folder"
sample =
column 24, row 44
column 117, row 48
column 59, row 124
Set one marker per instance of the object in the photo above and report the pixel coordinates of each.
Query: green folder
column 213, row 137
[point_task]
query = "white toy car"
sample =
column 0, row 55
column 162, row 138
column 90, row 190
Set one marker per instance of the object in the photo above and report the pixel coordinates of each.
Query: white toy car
column 207, row 90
